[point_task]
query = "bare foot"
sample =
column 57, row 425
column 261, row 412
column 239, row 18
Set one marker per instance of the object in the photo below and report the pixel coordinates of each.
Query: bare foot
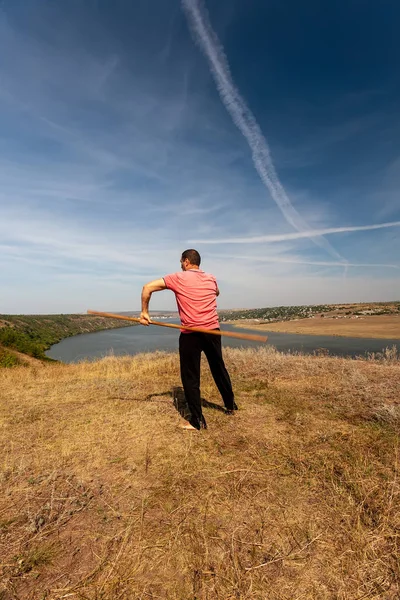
column 186, row 425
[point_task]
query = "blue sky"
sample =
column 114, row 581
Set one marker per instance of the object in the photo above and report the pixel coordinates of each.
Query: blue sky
column 265, row 134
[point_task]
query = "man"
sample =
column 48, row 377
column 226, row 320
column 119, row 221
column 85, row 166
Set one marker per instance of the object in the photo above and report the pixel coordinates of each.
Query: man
column 196, row 296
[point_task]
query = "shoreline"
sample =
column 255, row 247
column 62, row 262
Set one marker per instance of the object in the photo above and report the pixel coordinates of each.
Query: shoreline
column 73, row 351
column 47, row 330
column 373, row 327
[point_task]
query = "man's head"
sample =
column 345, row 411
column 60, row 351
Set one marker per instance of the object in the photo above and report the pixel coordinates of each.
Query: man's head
column 190, row 259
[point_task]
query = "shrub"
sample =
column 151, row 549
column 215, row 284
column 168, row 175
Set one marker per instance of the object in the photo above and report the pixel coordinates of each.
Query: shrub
column 7, row 359
column 21, row 342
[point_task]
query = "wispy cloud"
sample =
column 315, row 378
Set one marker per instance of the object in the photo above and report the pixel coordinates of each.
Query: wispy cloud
column 282, row 237
column 318, row 263
column 244, row 119
column 114, row 152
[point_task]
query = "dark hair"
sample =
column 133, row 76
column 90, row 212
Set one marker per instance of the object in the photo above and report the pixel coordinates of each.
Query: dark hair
column 193, row 257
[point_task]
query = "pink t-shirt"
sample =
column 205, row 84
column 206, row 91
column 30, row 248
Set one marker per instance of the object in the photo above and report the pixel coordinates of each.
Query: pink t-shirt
column 196, row 297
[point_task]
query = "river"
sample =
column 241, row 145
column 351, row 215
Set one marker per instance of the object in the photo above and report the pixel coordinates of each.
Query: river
column 134, row 340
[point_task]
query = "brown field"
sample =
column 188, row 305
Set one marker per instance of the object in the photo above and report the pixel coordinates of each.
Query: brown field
column 382, row 326
column 296, row 497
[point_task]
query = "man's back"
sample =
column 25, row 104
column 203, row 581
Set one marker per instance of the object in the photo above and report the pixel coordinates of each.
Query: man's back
column 196, row 296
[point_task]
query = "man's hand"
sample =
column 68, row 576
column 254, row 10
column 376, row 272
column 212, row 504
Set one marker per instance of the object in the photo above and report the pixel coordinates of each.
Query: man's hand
column 145, row 318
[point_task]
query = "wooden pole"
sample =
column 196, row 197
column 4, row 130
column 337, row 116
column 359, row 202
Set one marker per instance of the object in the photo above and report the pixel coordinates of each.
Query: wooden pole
column 232, row 334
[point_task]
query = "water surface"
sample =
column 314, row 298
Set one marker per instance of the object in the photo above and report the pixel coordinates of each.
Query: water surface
column 133, row 340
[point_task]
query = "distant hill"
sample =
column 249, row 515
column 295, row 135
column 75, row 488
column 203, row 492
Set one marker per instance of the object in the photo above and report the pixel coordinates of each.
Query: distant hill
column 287, row 313
column 32, row 335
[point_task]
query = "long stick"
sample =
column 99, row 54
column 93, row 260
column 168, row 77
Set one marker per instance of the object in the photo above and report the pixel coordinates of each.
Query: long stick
column 240, row 336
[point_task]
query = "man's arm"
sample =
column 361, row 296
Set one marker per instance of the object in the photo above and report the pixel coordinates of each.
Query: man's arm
column 153, row 286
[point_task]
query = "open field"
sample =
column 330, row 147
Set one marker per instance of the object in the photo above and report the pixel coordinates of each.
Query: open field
column 297, row 496
column 382, row 326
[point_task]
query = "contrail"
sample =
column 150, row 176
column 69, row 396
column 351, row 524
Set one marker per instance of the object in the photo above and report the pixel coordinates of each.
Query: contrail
column 244, row 119
column 283, row 237
column 294, row 261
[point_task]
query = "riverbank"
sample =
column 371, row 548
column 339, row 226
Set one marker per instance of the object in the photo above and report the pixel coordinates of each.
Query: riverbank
column 373, row 327
column 132, row 341
column 32, row 335
column 102, row 496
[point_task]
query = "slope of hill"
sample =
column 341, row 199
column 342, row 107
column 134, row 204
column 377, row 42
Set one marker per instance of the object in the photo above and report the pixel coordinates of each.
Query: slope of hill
column 13, row 358
column 34, row 334
column 296, row 496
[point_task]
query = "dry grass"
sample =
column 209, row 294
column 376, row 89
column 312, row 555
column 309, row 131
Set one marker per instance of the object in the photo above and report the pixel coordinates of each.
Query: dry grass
column 295, row 497
column 382, row 326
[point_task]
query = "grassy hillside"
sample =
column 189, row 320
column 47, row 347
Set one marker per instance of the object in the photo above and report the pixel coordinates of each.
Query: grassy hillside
column 8, row 358
column 102, row 497
column 34, row 334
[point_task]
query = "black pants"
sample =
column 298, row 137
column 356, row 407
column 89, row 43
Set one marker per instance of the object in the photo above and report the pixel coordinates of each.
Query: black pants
column 191, row 345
